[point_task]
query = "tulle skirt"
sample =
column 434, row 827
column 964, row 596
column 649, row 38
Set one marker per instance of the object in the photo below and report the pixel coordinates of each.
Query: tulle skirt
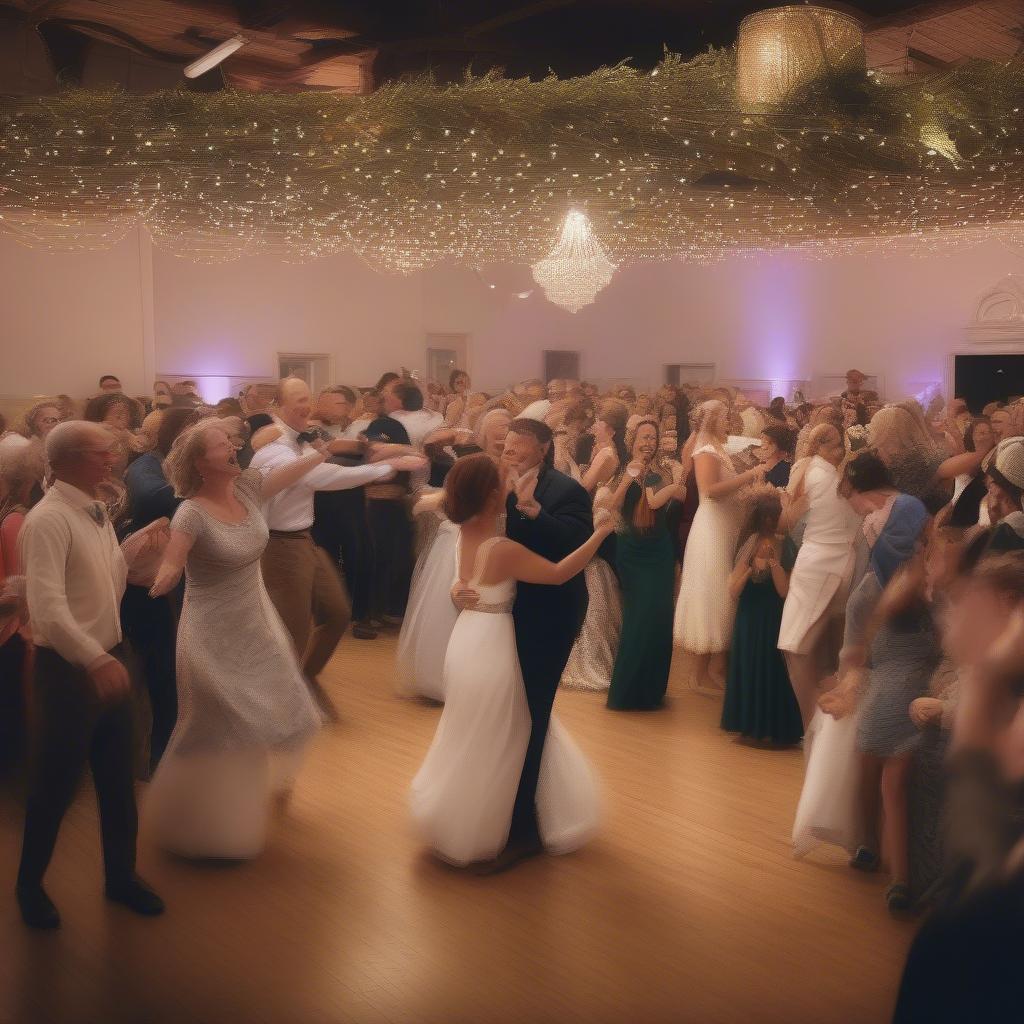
column 217, row 804
column 429, row 618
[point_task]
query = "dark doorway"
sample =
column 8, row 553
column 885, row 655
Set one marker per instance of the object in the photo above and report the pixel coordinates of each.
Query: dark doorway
column 983, row 379
column 561, row 365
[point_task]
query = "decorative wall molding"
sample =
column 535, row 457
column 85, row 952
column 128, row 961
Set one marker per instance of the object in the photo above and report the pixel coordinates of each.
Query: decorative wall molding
column 999, row 315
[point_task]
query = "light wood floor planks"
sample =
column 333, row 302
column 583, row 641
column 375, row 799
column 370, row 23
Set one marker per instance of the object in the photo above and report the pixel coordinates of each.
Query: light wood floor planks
column 688, row 908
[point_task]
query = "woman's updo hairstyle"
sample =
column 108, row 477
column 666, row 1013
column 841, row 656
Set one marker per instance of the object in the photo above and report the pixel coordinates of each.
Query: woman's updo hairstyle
column 469, row 486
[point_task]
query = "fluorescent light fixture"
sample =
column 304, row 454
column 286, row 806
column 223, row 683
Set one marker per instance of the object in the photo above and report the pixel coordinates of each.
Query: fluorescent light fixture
column 214, row 57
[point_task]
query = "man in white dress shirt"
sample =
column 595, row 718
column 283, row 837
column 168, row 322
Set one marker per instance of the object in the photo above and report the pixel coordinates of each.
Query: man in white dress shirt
column 75, row 578
column 299, row 576
column 403, row 401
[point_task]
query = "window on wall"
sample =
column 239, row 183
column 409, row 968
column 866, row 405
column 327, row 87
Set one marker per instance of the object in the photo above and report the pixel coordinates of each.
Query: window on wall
column 312, row 367
column 445, row 352
column 689, row 373
column 560, row 364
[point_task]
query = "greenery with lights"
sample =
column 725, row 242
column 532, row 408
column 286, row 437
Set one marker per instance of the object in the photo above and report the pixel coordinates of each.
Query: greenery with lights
column 664, row 163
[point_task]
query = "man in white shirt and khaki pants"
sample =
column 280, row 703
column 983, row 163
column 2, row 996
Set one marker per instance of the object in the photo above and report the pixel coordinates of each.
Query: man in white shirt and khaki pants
column 81, row 711
column 300, row 577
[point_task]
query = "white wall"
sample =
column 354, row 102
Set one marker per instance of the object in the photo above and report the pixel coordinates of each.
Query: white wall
column 234, row 318
column 66, row 318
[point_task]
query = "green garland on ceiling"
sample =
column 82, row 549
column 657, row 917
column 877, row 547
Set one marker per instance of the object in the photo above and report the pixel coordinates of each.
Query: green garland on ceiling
column 664, row 163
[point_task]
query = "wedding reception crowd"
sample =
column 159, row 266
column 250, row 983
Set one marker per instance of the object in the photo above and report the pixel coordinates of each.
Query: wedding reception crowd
column 846, row 574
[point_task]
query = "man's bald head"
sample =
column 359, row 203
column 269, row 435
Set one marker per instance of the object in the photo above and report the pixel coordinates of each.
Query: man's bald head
column 81, row 454
column 294, row 402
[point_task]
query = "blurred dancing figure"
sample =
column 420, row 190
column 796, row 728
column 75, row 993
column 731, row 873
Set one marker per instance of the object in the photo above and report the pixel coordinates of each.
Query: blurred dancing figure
column 300, row 577
column 245, row 712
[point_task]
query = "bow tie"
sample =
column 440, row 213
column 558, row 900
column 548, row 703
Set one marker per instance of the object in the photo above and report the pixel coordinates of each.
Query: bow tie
column 306, row 437
column 99, row 512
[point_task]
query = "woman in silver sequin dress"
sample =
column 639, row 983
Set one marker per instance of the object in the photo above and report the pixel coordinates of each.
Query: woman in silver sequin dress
column 592, row 658
column 245, row 713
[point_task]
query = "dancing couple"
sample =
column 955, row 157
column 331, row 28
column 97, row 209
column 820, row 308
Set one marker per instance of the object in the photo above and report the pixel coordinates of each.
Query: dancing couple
column 502, row 780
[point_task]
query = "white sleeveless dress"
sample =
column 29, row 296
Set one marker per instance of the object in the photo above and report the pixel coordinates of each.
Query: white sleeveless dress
column 462, row 797
column 704, row 609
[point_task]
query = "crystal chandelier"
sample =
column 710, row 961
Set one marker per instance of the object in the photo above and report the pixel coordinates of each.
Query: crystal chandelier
column 577, row 268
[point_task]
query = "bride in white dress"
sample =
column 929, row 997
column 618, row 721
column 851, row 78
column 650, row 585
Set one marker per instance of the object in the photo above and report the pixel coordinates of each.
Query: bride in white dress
column 463, row 794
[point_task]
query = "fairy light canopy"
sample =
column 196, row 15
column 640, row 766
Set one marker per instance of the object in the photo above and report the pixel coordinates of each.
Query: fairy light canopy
column 675, row 162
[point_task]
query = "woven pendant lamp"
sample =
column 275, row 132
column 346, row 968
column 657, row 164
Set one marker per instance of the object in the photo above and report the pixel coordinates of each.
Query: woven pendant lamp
column 782, row 49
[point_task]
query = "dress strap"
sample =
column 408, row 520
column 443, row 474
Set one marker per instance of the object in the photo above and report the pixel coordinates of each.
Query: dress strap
column 483, row 552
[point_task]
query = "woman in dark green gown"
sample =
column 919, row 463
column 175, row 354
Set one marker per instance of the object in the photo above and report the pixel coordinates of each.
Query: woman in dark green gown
column 646, row 566
column 759, row 701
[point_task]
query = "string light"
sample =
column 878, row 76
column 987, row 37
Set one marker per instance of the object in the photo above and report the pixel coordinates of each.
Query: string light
column 577, row 268
column 666, row 165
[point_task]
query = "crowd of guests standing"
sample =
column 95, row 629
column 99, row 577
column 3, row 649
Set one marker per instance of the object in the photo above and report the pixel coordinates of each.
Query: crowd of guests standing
column 817, row 561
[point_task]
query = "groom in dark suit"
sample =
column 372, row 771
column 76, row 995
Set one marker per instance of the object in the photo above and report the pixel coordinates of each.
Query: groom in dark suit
column 549, row 513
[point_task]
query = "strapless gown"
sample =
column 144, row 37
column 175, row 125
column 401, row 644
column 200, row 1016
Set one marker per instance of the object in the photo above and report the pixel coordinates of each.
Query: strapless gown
column 462, row 797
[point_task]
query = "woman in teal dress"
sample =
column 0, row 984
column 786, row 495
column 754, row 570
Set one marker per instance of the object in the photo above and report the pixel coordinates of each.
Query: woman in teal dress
column 759, row 701
column 646, row 566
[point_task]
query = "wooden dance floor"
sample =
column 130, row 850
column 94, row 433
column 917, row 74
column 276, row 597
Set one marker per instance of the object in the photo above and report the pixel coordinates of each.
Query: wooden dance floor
column 688, row 907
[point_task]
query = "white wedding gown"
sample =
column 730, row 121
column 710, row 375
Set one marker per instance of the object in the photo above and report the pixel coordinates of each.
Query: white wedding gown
column 429, row 618
column 462, row 796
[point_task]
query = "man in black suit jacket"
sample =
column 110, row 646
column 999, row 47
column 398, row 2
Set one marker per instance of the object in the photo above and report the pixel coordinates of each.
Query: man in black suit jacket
column 549, row 513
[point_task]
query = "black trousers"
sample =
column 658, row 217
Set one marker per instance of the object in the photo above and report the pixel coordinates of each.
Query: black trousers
column 12, row 711
column 391, row 531
column 70, row 726
column 150, row 627
column 544, row 643
column 340, row 528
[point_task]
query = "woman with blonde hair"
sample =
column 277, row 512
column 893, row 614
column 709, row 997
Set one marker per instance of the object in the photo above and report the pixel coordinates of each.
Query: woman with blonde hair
column 704, row 610
column 245, row 712
column 900, row 436
column 812, row 616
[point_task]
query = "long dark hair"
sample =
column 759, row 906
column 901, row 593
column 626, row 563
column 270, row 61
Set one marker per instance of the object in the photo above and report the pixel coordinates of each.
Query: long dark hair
column 644, row 516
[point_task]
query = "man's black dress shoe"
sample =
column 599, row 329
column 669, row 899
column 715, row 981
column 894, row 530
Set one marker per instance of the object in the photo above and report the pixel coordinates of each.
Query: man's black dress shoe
column 37, row 909
column 137, row 896
column 514, row 853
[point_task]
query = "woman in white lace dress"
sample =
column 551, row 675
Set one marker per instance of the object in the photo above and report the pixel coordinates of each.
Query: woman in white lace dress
column 704, row 609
